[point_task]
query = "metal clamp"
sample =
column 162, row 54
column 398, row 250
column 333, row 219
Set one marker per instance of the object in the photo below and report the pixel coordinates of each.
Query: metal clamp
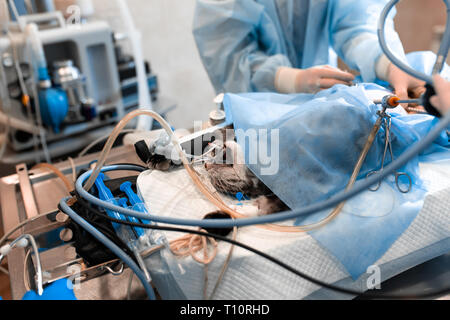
column 114, row 273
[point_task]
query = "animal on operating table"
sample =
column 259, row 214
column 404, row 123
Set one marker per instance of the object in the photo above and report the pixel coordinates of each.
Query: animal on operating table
column 229, row 174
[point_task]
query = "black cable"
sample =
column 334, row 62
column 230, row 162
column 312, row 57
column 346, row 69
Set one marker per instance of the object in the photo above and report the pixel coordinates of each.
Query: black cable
column 274, row 260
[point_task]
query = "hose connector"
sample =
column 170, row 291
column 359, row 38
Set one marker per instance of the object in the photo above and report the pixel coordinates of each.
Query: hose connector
column 388, row 102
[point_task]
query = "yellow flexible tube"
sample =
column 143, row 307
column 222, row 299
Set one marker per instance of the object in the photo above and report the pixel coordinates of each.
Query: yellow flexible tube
column 59, row 174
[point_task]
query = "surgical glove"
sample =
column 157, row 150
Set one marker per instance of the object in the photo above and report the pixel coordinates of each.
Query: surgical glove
column 441, row 101
column 405, row 86
column 311, row 80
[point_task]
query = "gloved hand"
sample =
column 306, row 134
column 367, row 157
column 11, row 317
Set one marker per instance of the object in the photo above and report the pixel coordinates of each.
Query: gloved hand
column 405, row 86
column 441, row 101
column 311, row 80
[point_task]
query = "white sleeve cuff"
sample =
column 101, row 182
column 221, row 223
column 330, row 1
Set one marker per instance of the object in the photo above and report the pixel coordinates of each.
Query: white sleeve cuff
column 285, row 80
column 382, row 68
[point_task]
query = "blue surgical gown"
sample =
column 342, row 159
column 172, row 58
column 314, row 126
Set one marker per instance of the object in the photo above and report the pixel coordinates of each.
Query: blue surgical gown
column 243, row 42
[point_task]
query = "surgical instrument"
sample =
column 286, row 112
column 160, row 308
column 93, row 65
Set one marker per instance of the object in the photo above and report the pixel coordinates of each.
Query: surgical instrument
column 391, row 101
column 387, row 121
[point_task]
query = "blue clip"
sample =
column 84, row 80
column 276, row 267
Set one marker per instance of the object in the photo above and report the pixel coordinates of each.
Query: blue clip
column 124, row 203
column 135, row 200
column 105, row 194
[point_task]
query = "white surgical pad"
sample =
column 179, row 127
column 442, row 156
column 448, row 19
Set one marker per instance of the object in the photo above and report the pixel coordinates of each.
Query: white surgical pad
column 250, row 276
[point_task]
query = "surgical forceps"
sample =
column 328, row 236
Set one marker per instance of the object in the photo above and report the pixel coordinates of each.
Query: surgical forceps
column 387, row 124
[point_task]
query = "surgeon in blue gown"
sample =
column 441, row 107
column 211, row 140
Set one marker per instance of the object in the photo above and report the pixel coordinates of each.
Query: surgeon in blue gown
column 290, row 46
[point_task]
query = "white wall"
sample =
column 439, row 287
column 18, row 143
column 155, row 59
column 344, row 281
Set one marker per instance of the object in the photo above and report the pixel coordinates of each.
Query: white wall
column 168, row 44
